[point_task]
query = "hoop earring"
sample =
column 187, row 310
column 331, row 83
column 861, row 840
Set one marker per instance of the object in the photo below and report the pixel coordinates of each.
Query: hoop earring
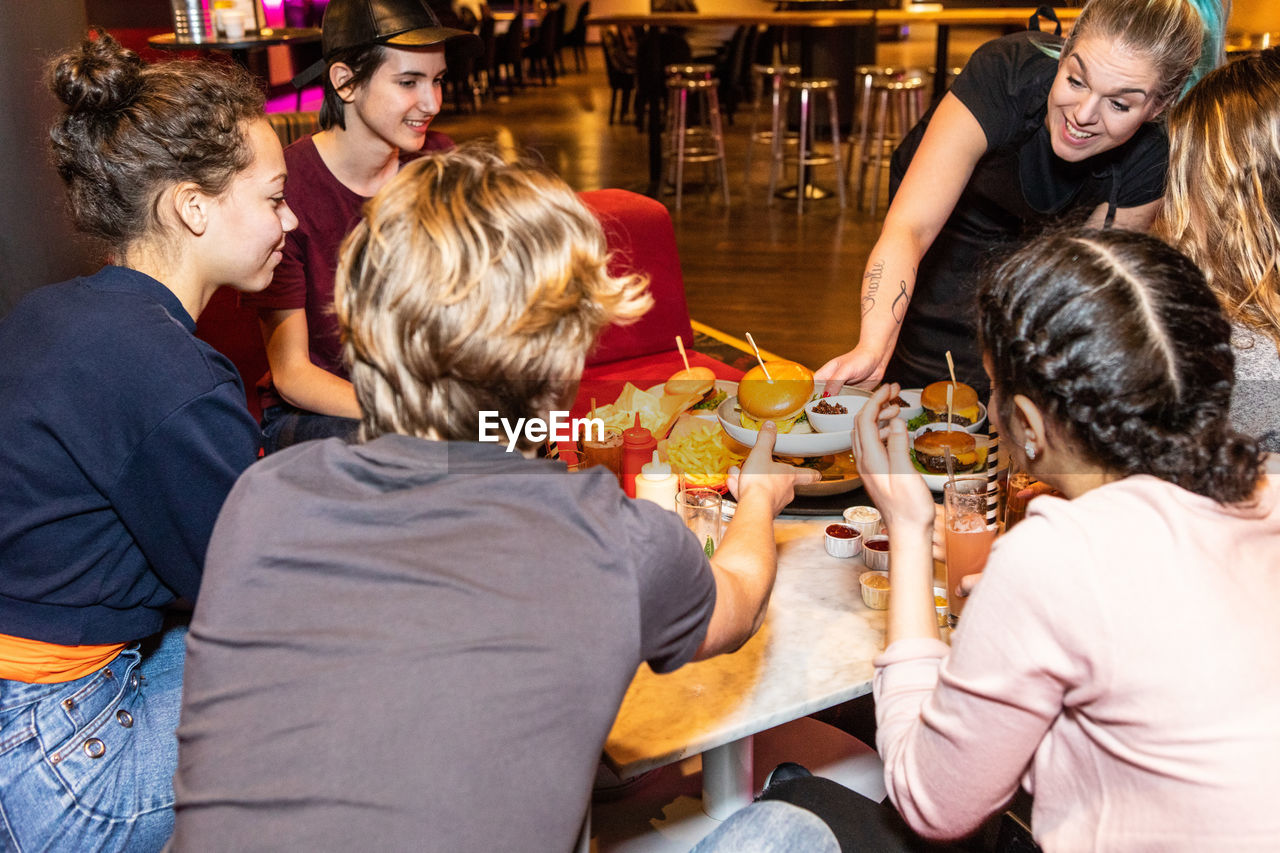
column 1030, row 449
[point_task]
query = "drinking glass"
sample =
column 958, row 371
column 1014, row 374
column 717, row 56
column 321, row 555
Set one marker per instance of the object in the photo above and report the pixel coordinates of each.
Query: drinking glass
column 606, row 451
column 969, row 537
column 700, row 510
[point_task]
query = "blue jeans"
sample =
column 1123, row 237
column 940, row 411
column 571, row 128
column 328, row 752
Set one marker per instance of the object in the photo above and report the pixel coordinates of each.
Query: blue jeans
column 770, row 826
column 87, row 765
column 285, row 425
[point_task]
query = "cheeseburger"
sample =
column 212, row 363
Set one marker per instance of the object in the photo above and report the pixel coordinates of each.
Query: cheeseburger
column 698, row 382
column 964, row 403
column 780, row 398
column 932, row 446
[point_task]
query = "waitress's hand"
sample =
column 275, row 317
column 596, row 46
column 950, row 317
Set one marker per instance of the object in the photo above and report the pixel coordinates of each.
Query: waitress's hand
column 860, row 366
column 892, row 481
column 761, row 474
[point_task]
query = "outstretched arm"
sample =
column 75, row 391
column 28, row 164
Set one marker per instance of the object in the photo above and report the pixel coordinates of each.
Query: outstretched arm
column 937, row 176
column 746, row 562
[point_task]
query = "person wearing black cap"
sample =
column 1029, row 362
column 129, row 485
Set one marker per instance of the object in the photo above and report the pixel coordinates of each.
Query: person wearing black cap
column 383, row 64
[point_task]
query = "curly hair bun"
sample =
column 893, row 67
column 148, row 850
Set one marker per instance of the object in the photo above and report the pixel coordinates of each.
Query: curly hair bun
column 99, row 76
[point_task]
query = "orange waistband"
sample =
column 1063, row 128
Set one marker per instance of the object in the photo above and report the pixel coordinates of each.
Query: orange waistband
column 36, row 662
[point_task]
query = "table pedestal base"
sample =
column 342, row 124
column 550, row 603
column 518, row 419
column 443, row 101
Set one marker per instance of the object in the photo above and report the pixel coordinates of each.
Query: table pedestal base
column 727, row 778
column 665, row 814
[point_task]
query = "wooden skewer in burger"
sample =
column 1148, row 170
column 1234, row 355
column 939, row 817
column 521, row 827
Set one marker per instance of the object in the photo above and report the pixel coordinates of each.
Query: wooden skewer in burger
column 691, row 381
column 773, row 391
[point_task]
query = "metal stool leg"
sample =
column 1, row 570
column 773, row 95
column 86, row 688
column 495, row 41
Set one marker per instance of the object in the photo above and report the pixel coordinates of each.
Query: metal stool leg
column 717, row 130
column 864, row 133
column 835, row 143
column 757, row 92
column 882, row 118
column 681, row 119
column 804, row 149
column 775, row 158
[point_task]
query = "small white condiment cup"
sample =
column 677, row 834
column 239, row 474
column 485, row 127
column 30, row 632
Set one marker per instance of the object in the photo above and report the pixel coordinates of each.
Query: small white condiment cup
column 878, row 560
column 943, row 610
column 843, row 546
column 875, row 597
column 865, row 518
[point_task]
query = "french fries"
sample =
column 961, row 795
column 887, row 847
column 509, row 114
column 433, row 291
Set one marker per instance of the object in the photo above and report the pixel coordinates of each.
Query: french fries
column 702, row 457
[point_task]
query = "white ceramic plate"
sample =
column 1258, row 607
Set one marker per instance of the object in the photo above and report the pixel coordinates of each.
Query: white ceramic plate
column 822, row 488
column 788, row 443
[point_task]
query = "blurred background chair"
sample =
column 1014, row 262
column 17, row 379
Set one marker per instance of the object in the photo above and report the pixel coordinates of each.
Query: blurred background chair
column 541, row 49
column 508, row 56
column 576, row 38
column 620, row 67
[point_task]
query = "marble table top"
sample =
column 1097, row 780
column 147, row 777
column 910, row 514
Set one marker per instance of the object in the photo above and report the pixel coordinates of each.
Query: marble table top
column 813, row 651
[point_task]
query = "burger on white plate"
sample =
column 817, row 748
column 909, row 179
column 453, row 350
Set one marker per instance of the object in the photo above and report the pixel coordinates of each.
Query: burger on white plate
column 696, row 380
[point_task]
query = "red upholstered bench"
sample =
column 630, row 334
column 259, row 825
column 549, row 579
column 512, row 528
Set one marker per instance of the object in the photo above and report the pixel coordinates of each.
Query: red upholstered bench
column 641, row 238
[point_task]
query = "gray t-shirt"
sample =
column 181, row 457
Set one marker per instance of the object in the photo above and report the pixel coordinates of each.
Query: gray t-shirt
column 1255, row 400
column 418, row 645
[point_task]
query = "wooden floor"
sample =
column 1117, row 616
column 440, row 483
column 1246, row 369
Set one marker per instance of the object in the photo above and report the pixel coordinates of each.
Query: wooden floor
column 792, row 281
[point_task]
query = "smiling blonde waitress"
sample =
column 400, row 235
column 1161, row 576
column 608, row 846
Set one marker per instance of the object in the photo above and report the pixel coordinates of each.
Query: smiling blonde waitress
column 1034, row 133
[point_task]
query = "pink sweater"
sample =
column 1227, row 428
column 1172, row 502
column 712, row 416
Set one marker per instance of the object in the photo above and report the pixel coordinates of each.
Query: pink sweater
column 1120, row 659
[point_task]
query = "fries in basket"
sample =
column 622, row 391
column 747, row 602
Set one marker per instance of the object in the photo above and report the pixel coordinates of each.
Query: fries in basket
column 702, row 454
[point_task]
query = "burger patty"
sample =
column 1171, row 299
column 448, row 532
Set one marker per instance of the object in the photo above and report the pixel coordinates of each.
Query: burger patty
column 940, row 417
column 938, row 464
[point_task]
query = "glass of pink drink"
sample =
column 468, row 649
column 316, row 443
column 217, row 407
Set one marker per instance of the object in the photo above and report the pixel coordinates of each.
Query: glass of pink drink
column 969, row 537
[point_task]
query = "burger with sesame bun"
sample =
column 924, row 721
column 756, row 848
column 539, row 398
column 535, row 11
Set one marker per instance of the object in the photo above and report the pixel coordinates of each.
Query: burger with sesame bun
column 779, row 397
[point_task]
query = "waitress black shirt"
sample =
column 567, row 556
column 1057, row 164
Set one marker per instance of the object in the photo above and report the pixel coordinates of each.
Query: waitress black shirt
column 1019, row 188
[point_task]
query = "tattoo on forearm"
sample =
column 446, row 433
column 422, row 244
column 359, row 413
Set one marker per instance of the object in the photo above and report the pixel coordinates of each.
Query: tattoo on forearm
column 900, row 302
column 873, row 286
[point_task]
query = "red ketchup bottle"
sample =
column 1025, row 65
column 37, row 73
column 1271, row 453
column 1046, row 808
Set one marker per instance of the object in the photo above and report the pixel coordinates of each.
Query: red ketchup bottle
column 638, row 445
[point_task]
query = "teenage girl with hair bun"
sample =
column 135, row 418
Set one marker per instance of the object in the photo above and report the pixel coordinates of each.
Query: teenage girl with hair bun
column 123, row 434
column 1118, row 659
column 1036, row 133
column 1222, row 209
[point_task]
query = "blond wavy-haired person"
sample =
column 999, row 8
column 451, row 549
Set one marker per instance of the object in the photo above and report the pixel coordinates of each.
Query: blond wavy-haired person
column 518, row 292
column 1222, row 210
column 422, row 589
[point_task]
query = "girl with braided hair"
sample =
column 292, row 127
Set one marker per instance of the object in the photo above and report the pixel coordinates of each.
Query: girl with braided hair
column 1118, row 659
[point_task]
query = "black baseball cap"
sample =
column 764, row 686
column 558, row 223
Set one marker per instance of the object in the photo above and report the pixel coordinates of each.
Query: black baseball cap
column 402, row 23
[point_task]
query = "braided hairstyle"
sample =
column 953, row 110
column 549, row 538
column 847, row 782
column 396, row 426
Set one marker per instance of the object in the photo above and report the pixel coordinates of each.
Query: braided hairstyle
column 131, row 130
column 1120, row 343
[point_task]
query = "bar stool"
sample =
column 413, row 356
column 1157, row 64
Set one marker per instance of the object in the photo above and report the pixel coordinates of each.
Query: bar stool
column 866, row 75
column 899, row 101
column 774, row 76
column 703, row 143
column 804, row 157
